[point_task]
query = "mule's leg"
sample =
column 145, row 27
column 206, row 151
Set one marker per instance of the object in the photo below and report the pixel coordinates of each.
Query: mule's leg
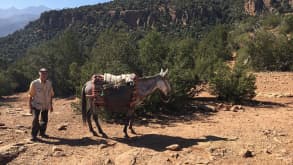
column 129, row 121
column 88, row 116
column 96, row 119
column 130, row 116
column 125, row 127
column 130, row 124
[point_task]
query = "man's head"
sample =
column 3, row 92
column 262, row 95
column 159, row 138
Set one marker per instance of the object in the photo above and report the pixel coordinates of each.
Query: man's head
column 43, row 72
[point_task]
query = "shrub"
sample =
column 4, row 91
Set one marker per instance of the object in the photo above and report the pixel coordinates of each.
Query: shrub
column 7, row 85
column 272, row 21
column 233, row 85
column 270, row 53
column 287, row 24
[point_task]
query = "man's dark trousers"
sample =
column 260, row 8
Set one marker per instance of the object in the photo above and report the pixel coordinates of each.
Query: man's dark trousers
column 39, row 127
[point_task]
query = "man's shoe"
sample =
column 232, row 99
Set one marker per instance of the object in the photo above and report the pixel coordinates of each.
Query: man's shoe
column 44, row 136
column 33, row 139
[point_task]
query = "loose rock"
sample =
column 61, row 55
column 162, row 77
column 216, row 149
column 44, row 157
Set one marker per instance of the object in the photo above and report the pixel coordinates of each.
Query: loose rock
column 247, row 153
column 62, row 126
column 173, row 147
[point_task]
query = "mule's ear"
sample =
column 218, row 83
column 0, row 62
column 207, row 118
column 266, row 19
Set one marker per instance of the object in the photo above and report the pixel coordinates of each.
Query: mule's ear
column 164, row 73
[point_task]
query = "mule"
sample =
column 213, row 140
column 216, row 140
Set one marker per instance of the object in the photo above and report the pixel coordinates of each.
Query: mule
column 121, row 99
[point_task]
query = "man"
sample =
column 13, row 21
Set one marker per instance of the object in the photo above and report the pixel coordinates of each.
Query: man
column 40, row 102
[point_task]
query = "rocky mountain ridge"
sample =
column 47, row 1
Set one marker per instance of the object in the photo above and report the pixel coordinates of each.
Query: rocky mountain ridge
column 255, row 7
column 171, row 16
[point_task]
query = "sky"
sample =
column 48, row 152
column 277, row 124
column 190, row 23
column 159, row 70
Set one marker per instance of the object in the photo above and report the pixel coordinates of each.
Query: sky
column 53, row 4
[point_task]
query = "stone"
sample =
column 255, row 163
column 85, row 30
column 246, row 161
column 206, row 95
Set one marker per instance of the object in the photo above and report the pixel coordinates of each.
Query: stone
column 108, row 161
column 62, row 127
column 236, row 108
column 11, row 151
column 207, row 108
column 173, row 147
column 58, row 154
column 128, row 157
column 247, row 153
column 3, row 127
column 26, row 114
column 55, row 148
column 223, row 107
column 18, row 109
column 102, row 146
column 20, row 131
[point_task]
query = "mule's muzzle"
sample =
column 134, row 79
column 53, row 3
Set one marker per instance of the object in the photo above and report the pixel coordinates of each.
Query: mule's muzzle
column 165, row 98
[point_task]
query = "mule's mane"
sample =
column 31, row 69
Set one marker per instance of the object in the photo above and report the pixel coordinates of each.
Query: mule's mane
column 149, row 77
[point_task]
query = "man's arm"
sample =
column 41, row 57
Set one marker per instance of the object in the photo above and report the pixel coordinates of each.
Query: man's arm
column 31, row 93
column 51, row 101
column 30, row 104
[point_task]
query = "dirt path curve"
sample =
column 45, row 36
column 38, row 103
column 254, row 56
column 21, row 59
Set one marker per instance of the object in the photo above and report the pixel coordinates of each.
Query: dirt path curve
column 258, row 134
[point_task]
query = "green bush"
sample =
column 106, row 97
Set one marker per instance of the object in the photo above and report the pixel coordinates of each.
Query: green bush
column 287, row 24
column 268, row 52
column 7, row 85
column 272, row 21
column 233, row 85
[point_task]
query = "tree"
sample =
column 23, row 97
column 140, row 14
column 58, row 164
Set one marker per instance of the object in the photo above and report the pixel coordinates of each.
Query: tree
column 57, row 56
column 212, row 51
column 181, row 63
column 114, row 52
column 152, row 53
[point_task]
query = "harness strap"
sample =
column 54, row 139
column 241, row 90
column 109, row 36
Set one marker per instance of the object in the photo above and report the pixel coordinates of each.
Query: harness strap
column 134, row 94
column 97, row 91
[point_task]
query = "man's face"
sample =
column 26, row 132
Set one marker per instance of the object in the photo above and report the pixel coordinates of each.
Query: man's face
column 43, row 75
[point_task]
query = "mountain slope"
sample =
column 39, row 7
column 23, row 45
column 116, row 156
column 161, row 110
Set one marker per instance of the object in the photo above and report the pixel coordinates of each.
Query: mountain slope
column 193, row 17
column 13, row 23
column 13, row 19
column 190, row 18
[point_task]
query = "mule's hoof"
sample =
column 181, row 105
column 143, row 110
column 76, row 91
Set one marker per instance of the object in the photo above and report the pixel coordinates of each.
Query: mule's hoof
column 104, row 135
column 126, row 136
column 133, row 132
column 95, row 134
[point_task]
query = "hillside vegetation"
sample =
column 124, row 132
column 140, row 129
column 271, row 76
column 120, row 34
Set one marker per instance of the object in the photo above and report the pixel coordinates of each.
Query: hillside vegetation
column 193, row 38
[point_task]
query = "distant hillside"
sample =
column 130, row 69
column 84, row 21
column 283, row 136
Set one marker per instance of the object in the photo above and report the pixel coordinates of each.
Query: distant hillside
column 193, row 17
column 13, row 19
column 189, row 17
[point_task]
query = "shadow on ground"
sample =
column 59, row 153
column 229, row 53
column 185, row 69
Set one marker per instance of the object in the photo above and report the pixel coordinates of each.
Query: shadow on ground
column 160, row 142
column 199, row 108
column 86, row 141
column 8, row 99
column 263, row 104
column 252, row 103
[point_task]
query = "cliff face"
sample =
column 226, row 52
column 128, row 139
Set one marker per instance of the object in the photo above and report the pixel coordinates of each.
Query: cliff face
column 254, row 7
column 132, row 18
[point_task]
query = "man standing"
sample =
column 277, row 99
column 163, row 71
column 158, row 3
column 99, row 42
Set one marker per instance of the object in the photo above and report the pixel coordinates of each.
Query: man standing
column 40, row 102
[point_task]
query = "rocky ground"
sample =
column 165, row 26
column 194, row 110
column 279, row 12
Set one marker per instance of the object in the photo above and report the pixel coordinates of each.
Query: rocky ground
column 259, row 132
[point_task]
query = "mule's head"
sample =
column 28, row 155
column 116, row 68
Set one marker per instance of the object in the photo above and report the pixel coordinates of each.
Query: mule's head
column 164, row 85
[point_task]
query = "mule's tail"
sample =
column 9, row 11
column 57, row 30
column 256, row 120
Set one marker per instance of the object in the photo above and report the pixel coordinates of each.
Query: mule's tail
column 83, row 104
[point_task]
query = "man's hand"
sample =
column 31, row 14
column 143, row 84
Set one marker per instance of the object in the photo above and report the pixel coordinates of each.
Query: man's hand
column 51, row 109
column 30, row 109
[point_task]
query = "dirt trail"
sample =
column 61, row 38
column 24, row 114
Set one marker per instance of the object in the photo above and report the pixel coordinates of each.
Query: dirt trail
column 259, row 133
